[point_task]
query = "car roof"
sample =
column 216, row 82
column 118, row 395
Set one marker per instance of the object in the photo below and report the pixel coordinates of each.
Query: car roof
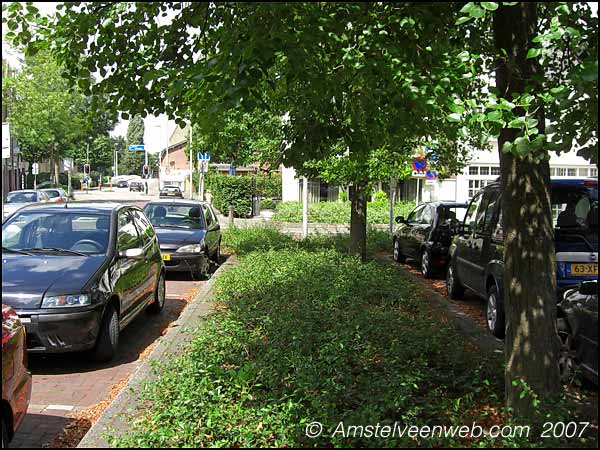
column 94, row 208
column 22, row 191
column 177, row 201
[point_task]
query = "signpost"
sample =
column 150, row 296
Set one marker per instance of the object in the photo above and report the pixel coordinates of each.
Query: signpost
column 5, row 154
column 35, row 170
column 68, row 167
column 203, row 159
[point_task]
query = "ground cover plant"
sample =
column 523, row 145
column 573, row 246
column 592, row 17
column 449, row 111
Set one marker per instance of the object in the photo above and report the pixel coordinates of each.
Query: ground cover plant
column 303, row 332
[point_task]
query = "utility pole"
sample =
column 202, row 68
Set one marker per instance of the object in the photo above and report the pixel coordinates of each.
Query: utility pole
column 191, row 163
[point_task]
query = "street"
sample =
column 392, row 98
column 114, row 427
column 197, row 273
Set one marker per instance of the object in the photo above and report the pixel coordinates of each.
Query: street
column 70, row 389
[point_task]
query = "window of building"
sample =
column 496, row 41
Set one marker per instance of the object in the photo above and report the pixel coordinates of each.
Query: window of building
column 583, row 172
column 561, row 172
column 484, row 170
column 593, row 171
column 495, row 170
column 473, row 170
column 476, row 185
column 571, row 172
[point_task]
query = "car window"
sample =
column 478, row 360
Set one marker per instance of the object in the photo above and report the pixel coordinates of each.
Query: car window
column 482, row 212
column 144, row 226
column 52, row 194
column 427, row 216
column 415, row 215
column 21, row 197
column 127, row 234
column 574, row 207
column 188, row 216
column 471, row 216
column 208, row 217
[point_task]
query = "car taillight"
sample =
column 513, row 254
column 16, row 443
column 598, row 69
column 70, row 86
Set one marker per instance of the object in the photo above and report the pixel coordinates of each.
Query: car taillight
column 590, row 183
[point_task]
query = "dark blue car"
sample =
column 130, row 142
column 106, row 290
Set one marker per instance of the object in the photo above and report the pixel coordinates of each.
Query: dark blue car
column 188, row 232
column 477, row 252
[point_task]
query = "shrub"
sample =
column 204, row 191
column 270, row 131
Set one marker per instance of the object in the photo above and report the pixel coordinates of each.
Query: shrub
column 233, row 191
column 268, row 185
column 267, row 203
column 339, row 212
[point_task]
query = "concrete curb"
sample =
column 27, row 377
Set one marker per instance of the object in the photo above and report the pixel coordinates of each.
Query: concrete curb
column 471, row 329
column 116, row 419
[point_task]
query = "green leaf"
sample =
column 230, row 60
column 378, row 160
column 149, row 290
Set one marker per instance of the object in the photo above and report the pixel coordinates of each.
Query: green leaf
column 454, row 117
column 463, row 19
column 534, row 52
column 518, row 123
column 490, row 6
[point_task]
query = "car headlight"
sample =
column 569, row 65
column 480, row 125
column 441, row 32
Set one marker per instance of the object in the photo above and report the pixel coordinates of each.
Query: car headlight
column 66, row 301
column 194, row 248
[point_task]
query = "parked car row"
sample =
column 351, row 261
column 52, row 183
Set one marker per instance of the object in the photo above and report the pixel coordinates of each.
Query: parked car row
column 470, row 251
column 75, row 275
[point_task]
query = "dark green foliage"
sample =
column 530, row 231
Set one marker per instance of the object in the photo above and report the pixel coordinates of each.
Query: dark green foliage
column 232, row 191
column 267, row 203
column 268, row 185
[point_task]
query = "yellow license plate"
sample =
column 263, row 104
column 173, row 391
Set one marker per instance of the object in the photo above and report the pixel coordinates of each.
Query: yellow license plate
column 584, row 269
column 166, row 257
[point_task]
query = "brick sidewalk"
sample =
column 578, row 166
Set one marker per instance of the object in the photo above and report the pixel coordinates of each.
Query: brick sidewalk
column 66, row 384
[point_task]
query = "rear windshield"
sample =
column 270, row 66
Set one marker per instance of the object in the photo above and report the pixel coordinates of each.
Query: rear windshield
column 175, row 216
column 575, row 207
column 21, row 197
column 52, row 194
column 85, row 233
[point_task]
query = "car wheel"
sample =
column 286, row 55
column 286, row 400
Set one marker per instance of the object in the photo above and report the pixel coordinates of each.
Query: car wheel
column 108, row 339
column 456, row 291
column 159, row 296
column 426, row 269
column 398, row 256
column 567, row 360
column 494, row 312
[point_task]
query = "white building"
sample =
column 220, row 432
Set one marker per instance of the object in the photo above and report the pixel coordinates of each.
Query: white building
column 483, row 168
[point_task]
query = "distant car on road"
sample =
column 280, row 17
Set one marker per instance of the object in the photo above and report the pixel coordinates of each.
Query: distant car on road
column 188, row 232
column 578, row 329
column 56, row 195
column 171, row 191
column 477, row 251
column 16, row 379
column 18, row 199
column 427, row 233
column 78, row 274
column 137, row 186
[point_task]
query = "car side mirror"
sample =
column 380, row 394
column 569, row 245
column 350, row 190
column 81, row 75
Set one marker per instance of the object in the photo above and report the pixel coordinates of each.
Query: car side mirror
column 132, row 253
column 400, row 219
column 589, row 288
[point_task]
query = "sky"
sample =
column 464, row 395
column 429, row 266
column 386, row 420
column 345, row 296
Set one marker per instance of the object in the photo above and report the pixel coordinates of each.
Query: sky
column 155, row 135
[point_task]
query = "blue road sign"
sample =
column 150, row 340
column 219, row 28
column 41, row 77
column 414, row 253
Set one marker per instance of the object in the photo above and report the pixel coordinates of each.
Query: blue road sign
column 431, row 175
column 137, row 148
column 203, row 156
column 232, row 170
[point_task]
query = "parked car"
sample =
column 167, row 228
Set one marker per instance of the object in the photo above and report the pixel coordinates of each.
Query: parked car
column 578, row 329
column 56, row 195
column 78, row 274
column 171, row 191
column 477, row 251
column 17, row 199
column 137, row 186
column 188, row 232
column 16, row 379
column 123, row 183
column 427, row 233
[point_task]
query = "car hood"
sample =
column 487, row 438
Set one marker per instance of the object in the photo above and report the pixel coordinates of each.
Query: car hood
column 175, row 237
column 26, row 279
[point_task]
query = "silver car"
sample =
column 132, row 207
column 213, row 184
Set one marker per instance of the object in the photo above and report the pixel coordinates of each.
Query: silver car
column 56, row 195
column 17, row 199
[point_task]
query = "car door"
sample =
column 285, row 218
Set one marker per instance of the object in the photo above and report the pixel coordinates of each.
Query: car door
column 422, row 230
column 464, row 242
column 129, row 284
column 152, row 260
column 407, row 236
column 483, row 244
column 213, row 232
column 587, row 318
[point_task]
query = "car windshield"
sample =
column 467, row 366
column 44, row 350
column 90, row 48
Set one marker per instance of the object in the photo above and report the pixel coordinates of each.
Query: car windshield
column 175, row 216
column 52, row 194
column 21, row 197
column 53, row 232
column 575, row 206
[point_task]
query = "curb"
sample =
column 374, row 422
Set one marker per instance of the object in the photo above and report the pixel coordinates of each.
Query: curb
column 468, row 327
column 116, row 419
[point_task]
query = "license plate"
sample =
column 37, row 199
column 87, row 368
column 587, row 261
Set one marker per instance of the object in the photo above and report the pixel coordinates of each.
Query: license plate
column 166, row 257
column 578, row 270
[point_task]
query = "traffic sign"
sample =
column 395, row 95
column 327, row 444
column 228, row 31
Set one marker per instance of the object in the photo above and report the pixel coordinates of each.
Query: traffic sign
column 431, row 175
column 203, row 156
column 35, row 169
column 419, row 164
column 5, row 140
column 137, row 148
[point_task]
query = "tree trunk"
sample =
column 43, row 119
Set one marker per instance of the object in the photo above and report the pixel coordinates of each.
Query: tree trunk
column 531, row 343
column 358, row 221
column 56, row 171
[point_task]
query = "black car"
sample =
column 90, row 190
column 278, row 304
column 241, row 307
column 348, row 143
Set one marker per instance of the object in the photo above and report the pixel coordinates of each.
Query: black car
column 78, row 274
column 189, row 234
column 137, row 186
column 171, row 191
column 477, row 251
column 123, row 184
column 578, row 329
column 427, row 233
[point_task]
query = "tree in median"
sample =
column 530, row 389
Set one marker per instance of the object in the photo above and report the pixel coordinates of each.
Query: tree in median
column 133, row 162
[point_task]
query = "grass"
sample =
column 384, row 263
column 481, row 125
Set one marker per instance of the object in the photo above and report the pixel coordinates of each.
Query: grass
column 305, row 333
column 339, row 212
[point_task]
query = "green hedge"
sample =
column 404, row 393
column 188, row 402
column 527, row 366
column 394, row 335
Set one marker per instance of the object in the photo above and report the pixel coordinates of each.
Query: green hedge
column 232, row 191
column 268, row 185
column 339, row 212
